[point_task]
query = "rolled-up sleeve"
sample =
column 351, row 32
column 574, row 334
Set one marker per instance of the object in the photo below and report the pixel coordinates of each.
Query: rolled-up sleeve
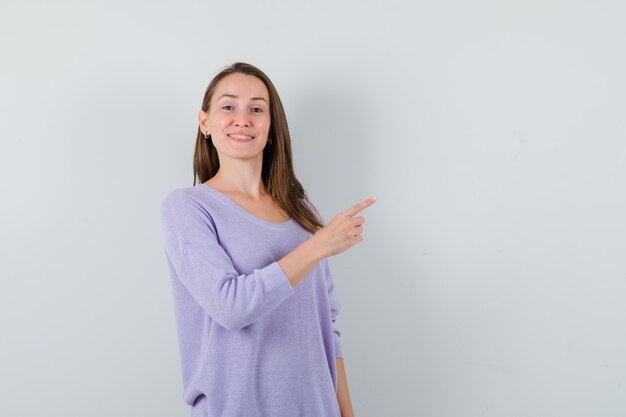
column 204, row 268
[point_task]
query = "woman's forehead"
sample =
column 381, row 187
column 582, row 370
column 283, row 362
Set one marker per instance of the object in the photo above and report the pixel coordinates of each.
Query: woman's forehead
column 241, row 86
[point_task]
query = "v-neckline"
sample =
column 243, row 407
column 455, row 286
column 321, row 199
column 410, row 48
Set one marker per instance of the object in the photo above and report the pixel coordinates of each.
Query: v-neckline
column 229, row 201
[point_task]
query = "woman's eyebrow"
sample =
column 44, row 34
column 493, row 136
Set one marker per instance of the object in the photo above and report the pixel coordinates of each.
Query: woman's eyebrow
column 234, row 96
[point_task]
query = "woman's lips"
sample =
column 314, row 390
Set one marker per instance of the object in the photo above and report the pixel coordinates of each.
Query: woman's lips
column 241, row 138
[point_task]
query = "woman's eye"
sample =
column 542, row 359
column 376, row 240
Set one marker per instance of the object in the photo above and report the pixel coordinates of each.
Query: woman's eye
column 257, row 108
column 224, row 107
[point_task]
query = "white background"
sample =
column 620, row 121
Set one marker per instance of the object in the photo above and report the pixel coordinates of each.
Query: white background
column 491, row 280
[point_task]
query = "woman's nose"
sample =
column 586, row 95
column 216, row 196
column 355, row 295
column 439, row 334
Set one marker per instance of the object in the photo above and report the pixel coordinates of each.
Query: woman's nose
column 241, row 120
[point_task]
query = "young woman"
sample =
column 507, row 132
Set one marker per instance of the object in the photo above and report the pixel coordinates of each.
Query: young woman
column 254, row 298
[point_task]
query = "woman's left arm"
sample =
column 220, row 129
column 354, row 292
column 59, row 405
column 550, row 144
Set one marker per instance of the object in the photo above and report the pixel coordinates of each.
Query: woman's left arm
column 343, row 394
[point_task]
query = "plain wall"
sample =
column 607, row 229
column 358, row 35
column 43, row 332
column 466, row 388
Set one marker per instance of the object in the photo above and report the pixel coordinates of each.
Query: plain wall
column 491, row 278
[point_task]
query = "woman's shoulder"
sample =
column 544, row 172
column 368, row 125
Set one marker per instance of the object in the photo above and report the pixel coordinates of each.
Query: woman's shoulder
column 180, row 195
column 185, row 201
column 189, row 211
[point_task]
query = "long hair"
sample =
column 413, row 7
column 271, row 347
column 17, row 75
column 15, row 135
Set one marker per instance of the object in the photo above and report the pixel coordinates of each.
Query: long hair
column 277, row 173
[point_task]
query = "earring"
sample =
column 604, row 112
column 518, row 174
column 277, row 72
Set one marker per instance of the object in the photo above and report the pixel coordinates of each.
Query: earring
column 205, row 135
column 269, row 142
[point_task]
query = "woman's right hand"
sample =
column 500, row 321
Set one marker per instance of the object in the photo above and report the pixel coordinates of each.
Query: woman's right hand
column 343, row 231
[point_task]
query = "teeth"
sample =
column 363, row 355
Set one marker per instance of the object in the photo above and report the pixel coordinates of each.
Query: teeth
column 240, row 136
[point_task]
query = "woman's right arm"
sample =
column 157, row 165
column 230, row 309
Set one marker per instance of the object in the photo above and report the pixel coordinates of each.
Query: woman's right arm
column 341, row 233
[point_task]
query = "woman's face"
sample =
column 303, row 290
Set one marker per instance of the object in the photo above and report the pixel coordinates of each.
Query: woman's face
column 238, row 119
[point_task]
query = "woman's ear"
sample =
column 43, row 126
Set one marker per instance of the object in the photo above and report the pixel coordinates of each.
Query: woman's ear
column 203, row 118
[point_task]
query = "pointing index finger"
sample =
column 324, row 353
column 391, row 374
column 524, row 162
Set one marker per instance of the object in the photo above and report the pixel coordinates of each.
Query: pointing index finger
column 361, row 206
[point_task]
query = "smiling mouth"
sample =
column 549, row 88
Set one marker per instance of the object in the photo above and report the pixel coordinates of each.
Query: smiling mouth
column 240, row 138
